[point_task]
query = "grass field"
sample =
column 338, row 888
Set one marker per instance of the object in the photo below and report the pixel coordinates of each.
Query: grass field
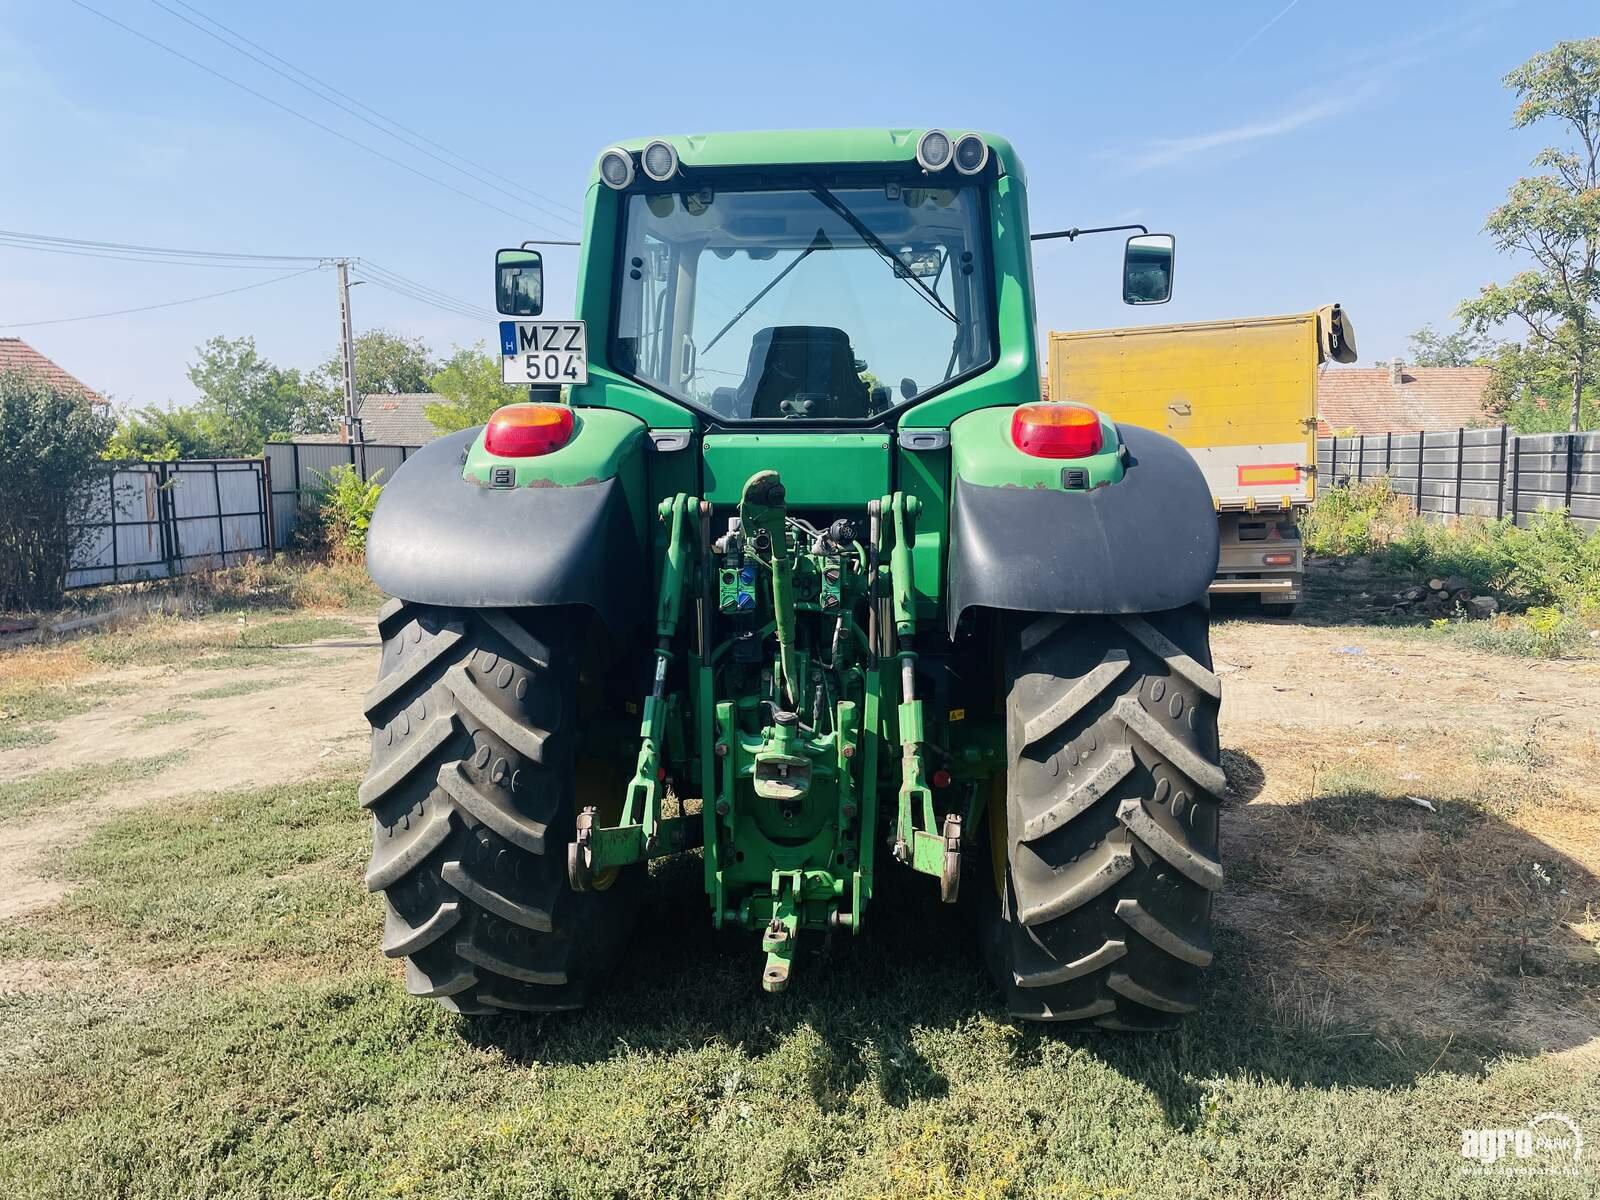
column 213, row 1020
column 198, row 1008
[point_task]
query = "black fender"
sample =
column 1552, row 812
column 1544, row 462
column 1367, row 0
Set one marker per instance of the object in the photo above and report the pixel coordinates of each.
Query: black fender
column 1143, row 544
column 437, row 538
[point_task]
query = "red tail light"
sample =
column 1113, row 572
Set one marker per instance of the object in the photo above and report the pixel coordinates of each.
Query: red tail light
column 1057, row 430
column 526, row 430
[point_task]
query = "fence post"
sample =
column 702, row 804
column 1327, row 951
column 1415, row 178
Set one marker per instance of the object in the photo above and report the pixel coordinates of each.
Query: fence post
column 167, row 514
column 1500, row 479
column 1422, row 440
column 269, row 535
column 1388, row 453
column 116, row 570
column 1566, row 503
column 222, row 530
column 1516, row 473
column 1461, row 438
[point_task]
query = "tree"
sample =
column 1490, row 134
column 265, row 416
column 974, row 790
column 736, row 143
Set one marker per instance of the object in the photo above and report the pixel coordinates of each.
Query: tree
column 1527, row 391
column 152, row 433
column 470, row 389
column 385, row 362
column 1463, row 348
column 51, row 439
column 1554, row 219
column 247, row 400
column 244, row 399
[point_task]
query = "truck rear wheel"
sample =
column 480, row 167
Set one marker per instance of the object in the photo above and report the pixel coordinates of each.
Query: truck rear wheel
column 1105, row 850
column 472, row 796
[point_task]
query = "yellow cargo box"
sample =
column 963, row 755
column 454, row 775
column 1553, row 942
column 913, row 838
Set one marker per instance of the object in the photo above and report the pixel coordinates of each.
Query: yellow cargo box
column 1242, row 397
column 1240, row 394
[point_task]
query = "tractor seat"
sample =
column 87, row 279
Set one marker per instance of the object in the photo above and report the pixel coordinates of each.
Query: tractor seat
column 805, row 365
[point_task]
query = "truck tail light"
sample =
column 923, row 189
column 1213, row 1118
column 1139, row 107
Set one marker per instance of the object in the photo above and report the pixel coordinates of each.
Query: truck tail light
column 1056, row 430
column 1278, row 558
column 527, row 430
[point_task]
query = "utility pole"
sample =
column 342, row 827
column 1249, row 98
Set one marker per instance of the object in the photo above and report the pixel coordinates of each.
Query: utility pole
column 352, row 415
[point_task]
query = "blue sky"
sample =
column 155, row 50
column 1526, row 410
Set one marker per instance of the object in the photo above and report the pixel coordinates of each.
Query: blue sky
column 1301, row 153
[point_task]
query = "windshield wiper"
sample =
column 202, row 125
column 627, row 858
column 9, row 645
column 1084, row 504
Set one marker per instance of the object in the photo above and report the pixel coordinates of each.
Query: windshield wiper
column 901, row 267
column 820, row 242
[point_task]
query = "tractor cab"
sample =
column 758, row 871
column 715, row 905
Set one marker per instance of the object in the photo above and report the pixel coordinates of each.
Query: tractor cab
column 832, row 294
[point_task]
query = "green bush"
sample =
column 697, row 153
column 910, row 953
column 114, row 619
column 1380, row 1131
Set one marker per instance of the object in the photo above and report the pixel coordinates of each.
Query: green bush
column 1546, row 574
column 346, row 509
column 1538, row 633
column 1551, row 562
column 50, row 444
column 1359, row 519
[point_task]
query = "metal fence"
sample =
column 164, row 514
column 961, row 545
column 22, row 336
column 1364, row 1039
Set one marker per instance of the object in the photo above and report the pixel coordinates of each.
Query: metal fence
column 153, row 520
column 1481, row 472
column 298, row 473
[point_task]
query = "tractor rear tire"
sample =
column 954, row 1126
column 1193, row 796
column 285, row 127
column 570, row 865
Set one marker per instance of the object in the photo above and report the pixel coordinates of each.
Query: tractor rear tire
column 1106, row 859
column 472, row 787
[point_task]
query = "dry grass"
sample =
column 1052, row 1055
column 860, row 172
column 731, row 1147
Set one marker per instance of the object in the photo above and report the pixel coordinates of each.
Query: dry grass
column 288, row 581
column 255, row 591
column 29, row 668
column 1478, row 913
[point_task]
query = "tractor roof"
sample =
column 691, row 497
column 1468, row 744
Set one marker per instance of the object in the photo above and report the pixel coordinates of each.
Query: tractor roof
column 806, row 147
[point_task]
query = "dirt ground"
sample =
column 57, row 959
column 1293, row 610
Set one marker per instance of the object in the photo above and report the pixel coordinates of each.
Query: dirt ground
column 1412, row 835
column 1413, row 832
column 298, row 720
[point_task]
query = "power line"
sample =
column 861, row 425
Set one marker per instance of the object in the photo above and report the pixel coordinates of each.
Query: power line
column 413, row 296
column 381, row 116
column 230, row 260
column 390, row 285
column 459, row 310
column 522, row 194
column 130, row 246
column 142, row 258
column 294, row 112
column 122, row 312
column 371, row 267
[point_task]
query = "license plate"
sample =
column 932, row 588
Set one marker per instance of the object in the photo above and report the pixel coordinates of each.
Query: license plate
column 550, row 353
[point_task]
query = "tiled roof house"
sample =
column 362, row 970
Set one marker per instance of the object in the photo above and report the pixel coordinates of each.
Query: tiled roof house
column 395, row 418
column 388, row 419
column 17, row 355
column 1395, row 398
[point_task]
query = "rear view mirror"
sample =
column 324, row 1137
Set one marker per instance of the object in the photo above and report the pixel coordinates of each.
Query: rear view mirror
column 1147, row 269
column 519, row 282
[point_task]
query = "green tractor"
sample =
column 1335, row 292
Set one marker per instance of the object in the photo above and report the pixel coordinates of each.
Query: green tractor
column 785, row 561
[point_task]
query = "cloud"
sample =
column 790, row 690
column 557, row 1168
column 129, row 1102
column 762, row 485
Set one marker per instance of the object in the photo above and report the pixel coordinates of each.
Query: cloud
column 1245, row 45
column 1161, row 152
column 1357, row 77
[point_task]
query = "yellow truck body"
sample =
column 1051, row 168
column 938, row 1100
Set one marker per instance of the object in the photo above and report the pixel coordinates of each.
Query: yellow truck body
column 1241, row 395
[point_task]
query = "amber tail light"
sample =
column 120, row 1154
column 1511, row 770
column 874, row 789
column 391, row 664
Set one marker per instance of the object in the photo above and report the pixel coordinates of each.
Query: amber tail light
column 527, row 430
column 1056, row 430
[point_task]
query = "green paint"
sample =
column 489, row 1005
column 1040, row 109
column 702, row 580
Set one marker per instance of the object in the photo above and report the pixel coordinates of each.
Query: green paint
column 819, row 469
column 804, row 147
column 600, row 446
column 763, row 515
column 983, row 453
column 924, row 475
